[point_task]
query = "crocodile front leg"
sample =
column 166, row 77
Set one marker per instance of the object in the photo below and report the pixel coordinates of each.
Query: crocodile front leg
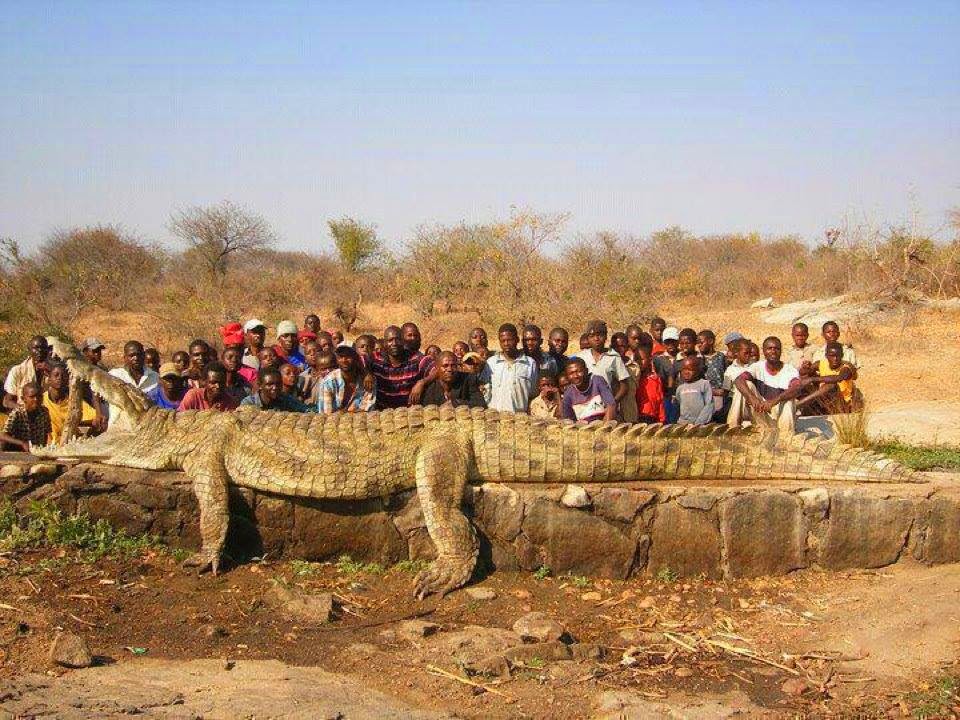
column 441, row 475
column 205, row 467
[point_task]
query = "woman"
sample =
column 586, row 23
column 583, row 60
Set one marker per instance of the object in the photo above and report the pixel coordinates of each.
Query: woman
column 345, row 389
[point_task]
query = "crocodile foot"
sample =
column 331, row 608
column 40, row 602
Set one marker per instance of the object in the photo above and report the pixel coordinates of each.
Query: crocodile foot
column 204, row 562
column 444, row 575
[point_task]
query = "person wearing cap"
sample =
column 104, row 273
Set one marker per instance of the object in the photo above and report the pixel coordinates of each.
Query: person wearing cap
column 666, row 366
column 288, row 347
column 32, row 370
column 169, row 391
column 254, row 334
column 92, row 350
column 728, row 341
column 603, row 361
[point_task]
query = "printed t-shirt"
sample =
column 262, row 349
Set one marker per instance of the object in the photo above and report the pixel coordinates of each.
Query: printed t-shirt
column 590, row 404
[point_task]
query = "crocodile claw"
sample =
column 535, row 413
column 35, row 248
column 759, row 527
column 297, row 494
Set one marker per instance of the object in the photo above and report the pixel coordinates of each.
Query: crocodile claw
column 203, row 562
column 444, row 575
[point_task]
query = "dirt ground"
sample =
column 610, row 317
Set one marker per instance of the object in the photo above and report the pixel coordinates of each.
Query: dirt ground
column 170, row 644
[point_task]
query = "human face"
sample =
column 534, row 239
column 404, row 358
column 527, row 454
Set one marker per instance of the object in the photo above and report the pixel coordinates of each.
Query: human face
column 151, row 358
column 633, row 339
column 576, row 375
column 394, row 343
column 39, row 350
column 181, row 360
column 532, row 340
column 267, row 357
column 363, row 346
column 559, row 341
column 620, row 344
column 831, row 333
column 744, row 353
column 411, row 337
column 508, row 342
column 834, row 358
column 57, row 379
column 270, row 389
column 289, row 373
column 644, row 360
column 433, row 351
column 460, row 349
column 671, row 346
column 214, row 385
column 771, row 351
column 171, row 385
column 312, row 323
column 133, row 358
column 198, row 356
column 325, row 342
column 754, row 353
column 596, row 340
column 685, row 345
column 548, row 389
column 346, row 364
column 690, row 369
column 800, row 336
column 256, row 336
column 288, row 341
column 656, row 329
column 231, row 359
column 311, row 353
column 337, row 337
column 31, row 400
column 707, row 344
column 447, row 367
column 478, row 339
column 326, row 362
column 93, row 356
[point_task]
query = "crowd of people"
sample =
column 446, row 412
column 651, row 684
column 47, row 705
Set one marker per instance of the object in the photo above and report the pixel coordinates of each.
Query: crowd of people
column 659, row 375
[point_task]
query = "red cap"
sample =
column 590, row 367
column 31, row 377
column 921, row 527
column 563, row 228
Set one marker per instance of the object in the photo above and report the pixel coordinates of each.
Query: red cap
column 230, row 329
column 306, row 335
column 233, row 338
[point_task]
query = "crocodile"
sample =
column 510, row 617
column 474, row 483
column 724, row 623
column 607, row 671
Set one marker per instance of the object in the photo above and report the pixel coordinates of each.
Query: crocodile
column 437, row 451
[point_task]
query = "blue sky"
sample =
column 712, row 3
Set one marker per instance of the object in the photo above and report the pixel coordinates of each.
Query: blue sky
column 776, row 117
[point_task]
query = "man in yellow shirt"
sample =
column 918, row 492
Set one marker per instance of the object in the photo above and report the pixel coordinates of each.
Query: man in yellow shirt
column 57, row 402
column 836, row 391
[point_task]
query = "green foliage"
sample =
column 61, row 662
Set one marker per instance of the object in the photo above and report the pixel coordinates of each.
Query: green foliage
column 346, row 565
column 935, row 700
column 304, row 568
column 43, row 525
column 579, row 581
column 357, row 243
column 667, row 575
column 921, row 457
column 411, row 567
column 542, row 573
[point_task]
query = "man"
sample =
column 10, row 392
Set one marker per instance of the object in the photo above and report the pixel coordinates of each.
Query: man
column 411, row 337
column 92, row 350
column 397, row 372
column 29, row 423
column 657, row 326
column 831, row 334
column 134, row 370
column 533, row 348
column 311, row 323
column 170, row 390
column 837, row 392
column 512, row 375
column 559, row 341
column 288, row 346
column 32, row 370
column 200, row 354
column 768, row 386
column 57, row 402
column 269, row 394
column 254, row 334
column 479, row 343
column 452, row 386
column 213, row 395
column 603, row 361
column 587, row 396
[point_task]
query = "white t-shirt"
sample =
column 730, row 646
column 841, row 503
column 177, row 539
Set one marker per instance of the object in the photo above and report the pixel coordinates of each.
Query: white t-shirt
column 771, row 384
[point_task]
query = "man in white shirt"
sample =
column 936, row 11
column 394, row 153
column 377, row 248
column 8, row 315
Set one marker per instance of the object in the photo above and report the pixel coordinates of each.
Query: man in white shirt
column 768, row 386
column 603, row 361
column 32, row 370
column 135, row 373
column 512, row 376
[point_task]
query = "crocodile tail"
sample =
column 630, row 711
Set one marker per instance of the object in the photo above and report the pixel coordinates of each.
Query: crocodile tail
column 123, row 397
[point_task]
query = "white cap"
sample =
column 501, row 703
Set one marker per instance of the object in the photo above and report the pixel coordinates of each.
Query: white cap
column 671, row 333
column 286, row 327
column 253, row 323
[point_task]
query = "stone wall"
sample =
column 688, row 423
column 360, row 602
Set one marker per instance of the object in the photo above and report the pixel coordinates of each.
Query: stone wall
column 609, row 531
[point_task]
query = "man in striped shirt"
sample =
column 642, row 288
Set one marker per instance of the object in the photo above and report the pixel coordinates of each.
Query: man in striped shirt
column 398, row 372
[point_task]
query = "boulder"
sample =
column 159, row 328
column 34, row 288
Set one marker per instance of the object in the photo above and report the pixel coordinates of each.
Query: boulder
column 480, row 593
column 575, row 496
column 621, row 504
column 70, row 651
column 764, row 533
column 685, row 541
column 303, row 607
column 941, row 543
column 538, row 627
column 865, row 531
column 498, row 511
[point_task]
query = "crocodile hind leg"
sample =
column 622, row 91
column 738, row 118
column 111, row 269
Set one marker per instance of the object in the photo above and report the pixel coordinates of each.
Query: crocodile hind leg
column 205, row 467
column 441, row 479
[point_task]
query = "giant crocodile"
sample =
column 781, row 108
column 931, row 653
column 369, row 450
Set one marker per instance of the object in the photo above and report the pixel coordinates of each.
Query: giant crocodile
column 437, row 450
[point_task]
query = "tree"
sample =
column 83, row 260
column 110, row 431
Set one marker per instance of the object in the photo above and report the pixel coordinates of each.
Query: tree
column 356, row 241
column 217, row 233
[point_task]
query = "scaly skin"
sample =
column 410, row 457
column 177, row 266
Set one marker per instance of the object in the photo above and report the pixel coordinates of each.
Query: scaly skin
column 437, row 451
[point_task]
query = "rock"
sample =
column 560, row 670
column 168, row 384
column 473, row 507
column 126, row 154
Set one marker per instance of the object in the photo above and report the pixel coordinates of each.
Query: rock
column 865, row 532
column 12, row 471
column 544, row 651
column 70, row 651
column 686, row 541
column 310, row 608
column 942, row 540
column 816, row 502
column 641, row 638
column 498, row 512
column 43, row 469
column 575, row 496
column 538, row 627
column 592, row 596
column 621, row 504
column 417, row 629
column 480, row 593
column 576, row 542
column 475, row 642
column 795, row 687
column 587, row 651
column 764, row 533
column 491, row 666
column 697, row 500
column 763, row 304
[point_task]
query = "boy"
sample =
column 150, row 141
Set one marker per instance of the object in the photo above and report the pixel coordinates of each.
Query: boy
column 741, row 361
column 801, row 354
column 694, row 393
column 288, row 377
column 181, row 361
column 512, row 376
column 151, row 358
column 831, row 333
column 620, row 341
column 657, row 327
column 170, row 390
column 57, row 401
column 837, row 392
column 213, row 394
column 587, row 397
column 649, row 394
column 664, row 364
column 604, row 361
column 29, row 423
column 547, row 403
column 714, row 365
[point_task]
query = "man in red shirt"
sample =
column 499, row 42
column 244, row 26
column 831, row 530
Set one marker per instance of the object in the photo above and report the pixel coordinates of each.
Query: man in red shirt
column 213, row 395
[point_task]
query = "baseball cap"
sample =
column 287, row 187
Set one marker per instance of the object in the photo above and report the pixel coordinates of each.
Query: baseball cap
column 470, row 356
column 167, row 369
column 671, row 333
column 91, row 343
column 732, row 337
column 252, row 324
column 286, row 327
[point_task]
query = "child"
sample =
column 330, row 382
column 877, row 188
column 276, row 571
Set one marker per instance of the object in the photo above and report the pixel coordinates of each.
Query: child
column 151, row 358
column 288, row 376
column 587, row 397
column 801, row 354
column 754, row 353
column 649, row 390
column 837, row 392
column 831, row 333
column 29, row 423
column 547, row 403
column 181, row 359
column 714, row 365
column 741, row 361
column 664, row 364
column 694, row 393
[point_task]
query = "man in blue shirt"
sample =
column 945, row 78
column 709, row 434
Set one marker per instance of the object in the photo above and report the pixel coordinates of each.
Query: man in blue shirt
column 169, row 391
column 269, row 395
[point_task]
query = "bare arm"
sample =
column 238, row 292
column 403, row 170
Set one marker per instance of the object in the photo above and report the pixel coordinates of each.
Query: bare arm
column 9, row 439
